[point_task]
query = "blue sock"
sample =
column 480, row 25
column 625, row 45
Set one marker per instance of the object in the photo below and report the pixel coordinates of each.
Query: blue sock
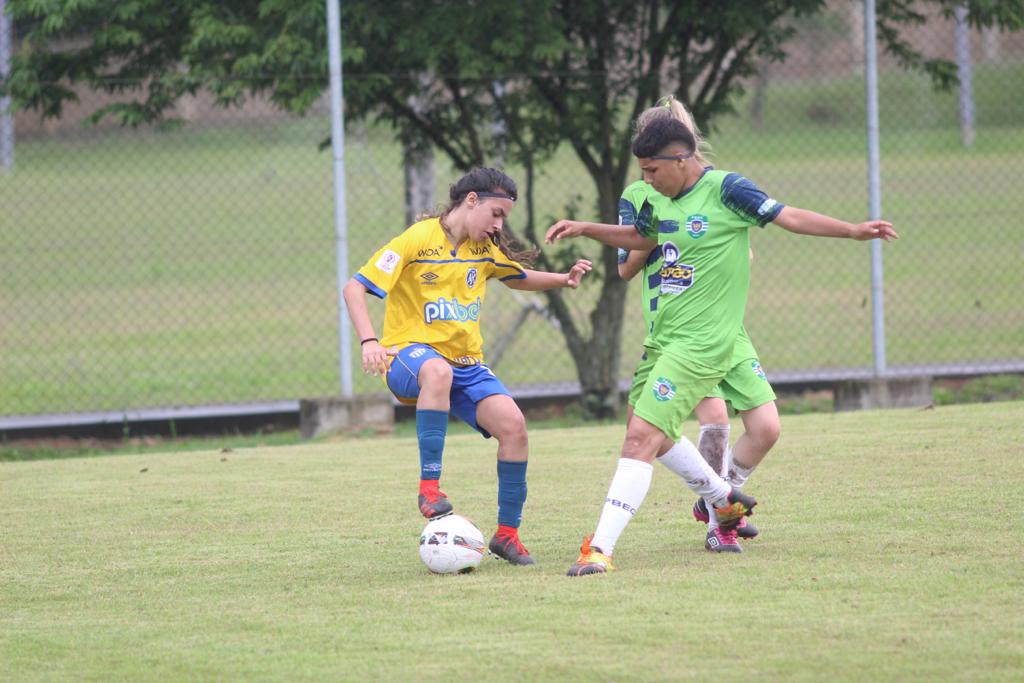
column 511, row 492
column 431, row 427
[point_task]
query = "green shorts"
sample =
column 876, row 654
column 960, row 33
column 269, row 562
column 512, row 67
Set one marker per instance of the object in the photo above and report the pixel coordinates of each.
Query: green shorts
column 657, row 382
column 666, row 388
column 745, row 385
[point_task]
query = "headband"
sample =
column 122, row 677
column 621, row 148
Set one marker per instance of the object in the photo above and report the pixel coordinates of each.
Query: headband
column 673, row 157
column 497, row 195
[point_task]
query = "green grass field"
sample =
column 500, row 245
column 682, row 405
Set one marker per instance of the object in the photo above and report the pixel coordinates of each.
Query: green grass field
column 889, row 551
column 197, row 266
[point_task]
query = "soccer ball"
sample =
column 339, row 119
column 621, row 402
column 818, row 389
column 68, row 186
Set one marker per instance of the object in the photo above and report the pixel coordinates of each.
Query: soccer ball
column 451, row 545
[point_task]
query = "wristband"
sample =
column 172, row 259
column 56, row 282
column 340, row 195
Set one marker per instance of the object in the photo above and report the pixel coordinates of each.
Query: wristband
column 369, row 339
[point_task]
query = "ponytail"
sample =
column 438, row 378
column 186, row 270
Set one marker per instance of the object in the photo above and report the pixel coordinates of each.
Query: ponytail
column 670, row 107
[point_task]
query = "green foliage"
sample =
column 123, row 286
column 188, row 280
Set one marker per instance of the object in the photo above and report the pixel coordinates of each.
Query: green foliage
column 980, row 390
column 483, row 83
column 894, row 16
column 25, row 450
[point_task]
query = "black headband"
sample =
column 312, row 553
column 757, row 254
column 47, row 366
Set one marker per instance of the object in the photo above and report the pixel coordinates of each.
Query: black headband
column 673, row 157
column 497, row 195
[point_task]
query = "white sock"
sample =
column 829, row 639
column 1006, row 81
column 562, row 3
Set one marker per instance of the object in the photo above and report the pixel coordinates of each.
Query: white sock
column 714, row 445
column 712, row 518
column 628, row 489
column 685, row 460
column 738, row 474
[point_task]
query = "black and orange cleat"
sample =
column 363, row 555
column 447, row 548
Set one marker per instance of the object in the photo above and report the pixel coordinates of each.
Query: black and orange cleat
column 506, row 544
column 739, row 505
column 744, row 529
column 433, row 502
column 590, row 561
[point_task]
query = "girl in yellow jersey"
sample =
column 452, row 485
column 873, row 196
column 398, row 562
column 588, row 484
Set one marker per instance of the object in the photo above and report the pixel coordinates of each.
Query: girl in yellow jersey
column 433, row 278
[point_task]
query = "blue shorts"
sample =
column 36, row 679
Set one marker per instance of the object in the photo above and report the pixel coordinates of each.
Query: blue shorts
column 470, row 384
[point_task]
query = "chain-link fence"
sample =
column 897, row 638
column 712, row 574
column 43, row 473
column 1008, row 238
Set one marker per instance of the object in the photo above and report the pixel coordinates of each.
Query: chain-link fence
column 194, row 266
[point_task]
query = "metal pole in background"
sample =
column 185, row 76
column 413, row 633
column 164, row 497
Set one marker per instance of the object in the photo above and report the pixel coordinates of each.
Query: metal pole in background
column 340, row 215
column 874, row 185
column 963, row 72
column 6, row 119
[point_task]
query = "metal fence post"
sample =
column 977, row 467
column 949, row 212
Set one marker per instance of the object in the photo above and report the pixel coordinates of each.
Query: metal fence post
column 963, row 72
column 6, row 117
column 874, row 185
column 340, row 214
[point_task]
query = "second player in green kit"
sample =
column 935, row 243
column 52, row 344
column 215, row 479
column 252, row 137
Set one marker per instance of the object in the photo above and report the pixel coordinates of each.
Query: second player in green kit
column 701, row 223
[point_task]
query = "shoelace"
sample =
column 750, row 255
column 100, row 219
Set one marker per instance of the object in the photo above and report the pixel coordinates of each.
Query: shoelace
column 433, row 495
column 585, row 550
column 728, row 535
column 520, row 548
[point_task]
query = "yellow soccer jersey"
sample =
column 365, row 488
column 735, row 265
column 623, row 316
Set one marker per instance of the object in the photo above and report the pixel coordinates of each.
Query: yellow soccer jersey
column 433, row 293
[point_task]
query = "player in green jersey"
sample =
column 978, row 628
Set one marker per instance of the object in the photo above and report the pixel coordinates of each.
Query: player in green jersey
column 711, row 412
column 702, row 230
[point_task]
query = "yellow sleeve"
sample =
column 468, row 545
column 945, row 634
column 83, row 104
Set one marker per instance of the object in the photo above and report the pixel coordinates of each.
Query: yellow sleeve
column 385, row 267
column 505, row 268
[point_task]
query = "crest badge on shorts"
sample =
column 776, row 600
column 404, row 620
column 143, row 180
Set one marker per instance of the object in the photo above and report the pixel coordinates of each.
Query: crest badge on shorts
column 664, row 389
column 755, row 366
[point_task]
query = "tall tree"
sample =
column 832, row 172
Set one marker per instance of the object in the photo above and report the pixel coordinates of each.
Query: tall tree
column 547, row 72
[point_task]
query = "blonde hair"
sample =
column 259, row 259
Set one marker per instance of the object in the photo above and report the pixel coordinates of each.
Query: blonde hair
column 669, row 107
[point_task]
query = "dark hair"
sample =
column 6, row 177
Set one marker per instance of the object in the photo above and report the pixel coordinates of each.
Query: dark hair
column 490, row 182
column 661, row 133
column 481, row 180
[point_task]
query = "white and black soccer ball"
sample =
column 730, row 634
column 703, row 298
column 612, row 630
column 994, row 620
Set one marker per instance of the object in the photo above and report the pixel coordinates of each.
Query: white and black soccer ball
column 451, row 545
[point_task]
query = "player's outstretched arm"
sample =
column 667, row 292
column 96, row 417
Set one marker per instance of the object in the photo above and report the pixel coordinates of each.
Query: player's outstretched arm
column 375, row 356
column 624, row 236
column 537, row 280
column 805, row 222
column 633, row 264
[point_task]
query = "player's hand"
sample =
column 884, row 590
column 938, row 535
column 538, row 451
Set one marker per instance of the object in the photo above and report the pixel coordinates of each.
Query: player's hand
column 376, row 358
column 563, row 229
column 874, row 230
column 576, row 273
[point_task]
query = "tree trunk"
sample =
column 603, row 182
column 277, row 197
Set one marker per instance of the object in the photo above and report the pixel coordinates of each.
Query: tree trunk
column 598, row 363
column 597, row 358
column 419, row 182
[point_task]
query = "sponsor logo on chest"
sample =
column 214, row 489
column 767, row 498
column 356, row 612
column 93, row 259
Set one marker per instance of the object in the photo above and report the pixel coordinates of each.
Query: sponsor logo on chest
column 676, row 277
column 450, row 310
column 432, row 252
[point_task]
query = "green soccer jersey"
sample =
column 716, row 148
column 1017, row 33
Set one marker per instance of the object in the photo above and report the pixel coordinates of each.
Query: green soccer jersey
column 705, row 263
column 638, row 197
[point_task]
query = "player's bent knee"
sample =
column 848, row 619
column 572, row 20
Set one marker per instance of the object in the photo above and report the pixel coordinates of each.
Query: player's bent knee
column 642, row 445
column 512, row 429
column 711, row 412
column 435, row 373
column 768, row 434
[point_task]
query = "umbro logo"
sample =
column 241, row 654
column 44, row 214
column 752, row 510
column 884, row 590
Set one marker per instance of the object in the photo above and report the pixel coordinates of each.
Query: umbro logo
column 429, row 278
